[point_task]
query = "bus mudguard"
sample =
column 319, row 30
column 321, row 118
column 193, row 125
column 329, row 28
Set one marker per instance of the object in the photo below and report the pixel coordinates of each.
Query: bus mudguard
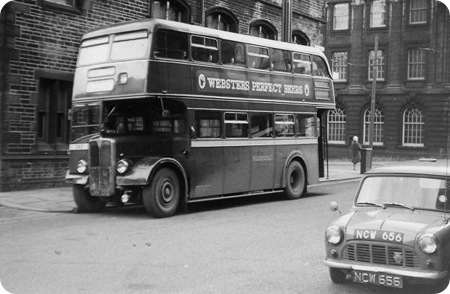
column 299, row 156
column 141, row 172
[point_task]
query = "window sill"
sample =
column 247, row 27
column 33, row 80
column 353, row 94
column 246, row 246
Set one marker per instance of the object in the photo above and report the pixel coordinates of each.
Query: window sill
column 60, row 7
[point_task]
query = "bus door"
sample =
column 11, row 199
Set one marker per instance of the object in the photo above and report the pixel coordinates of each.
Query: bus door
column 206, row 172
column 262, row 151
column 237, row 153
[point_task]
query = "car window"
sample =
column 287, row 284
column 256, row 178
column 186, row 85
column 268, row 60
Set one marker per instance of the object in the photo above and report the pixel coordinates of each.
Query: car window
column 417, row 192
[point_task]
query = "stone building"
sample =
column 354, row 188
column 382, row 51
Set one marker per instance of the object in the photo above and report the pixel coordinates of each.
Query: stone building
column 412, row 97
column 39, row 42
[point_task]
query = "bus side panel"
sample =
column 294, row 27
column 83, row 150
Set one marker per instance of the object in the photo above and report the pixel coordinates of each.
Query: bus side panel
column 237, row 169
column 206, row 169
column 305, row 146
column 170, row 77
column 263, row 165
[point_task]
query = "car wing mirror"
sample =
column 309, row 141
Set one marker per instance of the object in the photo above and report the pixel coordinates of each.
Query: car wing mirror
column 334, row 207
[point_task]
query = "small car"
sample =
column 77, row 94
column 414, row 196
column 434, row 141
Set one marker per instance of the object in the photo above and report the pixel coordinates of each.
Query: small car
column 397, row 232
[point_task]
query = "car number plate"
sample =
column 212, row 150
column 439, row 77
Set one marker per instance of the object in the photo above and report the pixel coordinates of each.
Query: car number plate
column 377, row 279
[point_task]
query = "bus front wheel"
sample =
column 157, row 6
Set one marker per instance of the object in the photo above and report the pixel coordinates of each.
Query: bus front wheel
column 295, row 180
column 85, row 202
column 162, row 196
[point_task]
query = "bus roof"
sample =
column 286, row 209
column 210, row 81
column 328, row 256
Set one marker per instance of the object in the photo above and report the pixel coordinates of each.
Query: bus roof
column 151, row 24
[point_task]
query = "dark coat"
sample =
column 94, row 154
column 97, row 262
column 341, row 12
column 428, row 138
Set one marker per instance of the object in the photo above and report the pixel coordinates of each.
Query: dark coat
column 355, row 152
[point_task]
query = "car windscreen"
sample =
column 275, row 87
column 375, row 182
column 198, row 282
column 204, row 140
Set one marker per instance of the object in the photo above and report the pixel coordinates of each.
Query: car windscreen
column 409, row 191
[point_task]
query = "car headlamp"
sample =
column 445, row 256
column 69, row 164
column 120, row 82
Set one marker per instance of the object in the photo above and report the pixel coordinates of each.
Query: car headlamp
column 82, row 166
column 122, row 166
column 334, row 235
column 428, row 243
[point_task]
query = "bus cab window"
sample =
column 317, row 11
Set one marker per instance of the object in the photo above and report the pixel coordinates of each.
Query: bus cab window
column 261, row 125
column 306, row 125
column 170, row 44
column 236, row 125
column 284, row 125
column 302, row 64
column 204, row 49
column 208, row 124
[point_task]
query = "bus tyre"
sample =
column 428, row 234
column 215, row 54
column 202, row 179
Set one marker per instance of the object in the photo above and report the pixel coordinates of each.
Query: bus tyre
column 337, row 276
column 162, row 196
column 295, row 180
column 85, row 202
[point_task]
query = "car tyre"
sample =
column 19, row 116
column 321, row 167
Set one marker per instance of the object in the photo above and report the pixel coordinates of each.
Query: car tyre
column 85, row 202
column 162, row 196
column 295, row 180
column 337, row 276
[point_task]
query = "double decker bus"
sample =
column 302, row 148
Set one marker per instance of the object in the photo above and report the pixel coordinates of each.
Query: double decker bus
column 165, row 114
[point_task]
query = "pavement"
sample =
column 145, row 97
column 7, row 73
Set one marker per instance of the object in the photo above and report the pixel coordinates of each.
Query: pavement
column 59, row 200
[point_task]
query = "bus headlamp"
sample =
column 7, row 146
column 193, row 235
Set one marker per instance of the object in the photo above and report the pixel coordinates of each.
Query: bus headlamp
column 122, row 166
column 428, row 243
column 82, row 166
column 334, row 235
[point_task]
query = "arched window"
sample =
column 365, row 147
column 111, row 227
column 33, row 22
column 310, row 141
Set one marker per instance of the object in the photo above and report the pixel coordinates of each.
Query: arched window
column 263, row 29
column 300, row 38
column 336, row 126
column 176, row 10
column 378, row 123
column 413, row 123
column 222, row 19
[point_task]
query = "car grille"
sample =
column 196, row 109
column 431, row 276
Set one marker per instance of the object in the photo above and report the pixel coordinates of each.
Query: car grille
column 381, row 254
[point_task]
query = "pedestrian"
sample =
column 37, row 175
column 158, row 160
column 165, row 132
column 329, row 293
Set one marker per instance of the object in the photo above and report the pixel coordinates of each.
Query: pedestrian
column 355, row 151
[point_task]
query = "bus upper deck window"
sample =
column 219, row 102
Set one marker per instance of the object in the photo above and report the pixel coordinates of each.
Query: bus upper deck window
column 302, row 64
column 280, row 60
column 232, row 53
column 319, row 67
column 204, row 49
column 170, row 44
column 94, row 51
column 258, row 57
column 130, row 45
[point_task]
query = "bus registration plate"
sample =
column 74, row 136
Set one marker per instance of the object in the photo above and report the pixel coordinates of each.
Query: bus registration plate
column 377, row 279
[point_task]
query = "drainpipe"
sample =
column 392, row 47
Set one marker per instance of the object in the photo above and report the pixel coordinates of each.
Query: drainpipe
column 286, row 23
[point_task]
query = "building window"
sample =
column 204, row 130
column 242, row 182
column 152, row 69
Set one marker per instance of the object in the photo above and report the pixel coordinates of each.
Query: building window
column 380, row 64
column 170, row 10
column 221, row 19
column 298, row 37
column 336, row 126
column 378, row 123
column 413, row 127
column 53, row 107
column 341, row 16
column 418, row 11
column 378, row 14
column 339, row 66
column 263, row 29
column 416, row 64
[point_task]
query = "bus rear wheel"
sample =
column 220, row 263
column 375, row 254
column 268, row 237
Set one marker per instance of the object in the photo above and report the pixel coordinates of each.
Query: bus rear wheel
column 85, row 202
column 162, row 196
column 295, row 180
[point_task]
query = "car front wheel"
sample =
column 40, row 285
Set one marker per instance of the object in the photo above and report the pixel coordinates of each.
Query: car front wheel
column 337, row 276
